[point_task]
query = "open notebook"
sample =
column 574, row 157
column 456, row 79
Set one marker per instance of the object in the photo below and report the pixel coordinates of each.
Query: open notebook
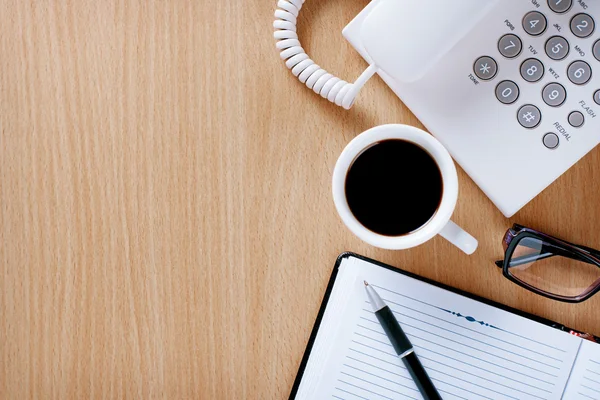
column 471, row 350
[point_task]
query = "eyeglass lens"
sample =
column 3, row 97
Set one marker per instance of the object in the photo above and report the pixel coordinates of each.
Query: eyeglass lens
column 551, row 269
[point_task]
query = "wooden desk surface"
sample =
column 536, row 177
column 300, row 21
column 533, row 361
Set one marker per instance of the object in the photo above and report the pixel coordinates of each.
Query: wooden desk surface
column 167, row 228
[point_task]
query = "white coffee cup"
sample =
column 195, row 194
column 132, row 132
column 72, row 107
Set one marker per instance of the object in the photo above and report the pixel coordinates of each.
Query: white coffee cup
column 440, row 223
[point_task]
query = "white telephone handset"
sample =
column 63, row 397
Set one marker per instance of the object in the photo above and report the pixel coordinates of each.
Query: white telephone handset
column 404, row 59
column 417, row 34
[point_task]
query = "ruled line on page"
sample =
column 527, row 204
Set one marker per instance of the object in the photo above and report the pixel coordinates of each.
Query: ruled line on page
column 591, row 380
column 405, row 324
column 462, row 379
column 435, row 307
column 403, row 394
column 354, row 394
column 463, row 327
column 408, row 378
column 380, row 377
column 448, row 348
column 421, row 339
column 592, row 383
column 437, row 381
column 592, row 389
column 479, row 367
column 393, row 373
column 424, row 348
column 593, row 372
column 379, row 386
column 471, row 365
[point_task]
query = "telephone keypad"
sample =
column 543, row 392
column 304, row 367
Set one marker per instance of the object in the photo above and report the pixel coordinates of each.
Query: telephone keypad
column 557, row 48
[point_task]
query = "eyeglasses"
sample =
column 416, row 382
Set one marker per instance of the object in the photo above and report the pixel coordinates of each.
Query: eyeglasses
column 549, row 266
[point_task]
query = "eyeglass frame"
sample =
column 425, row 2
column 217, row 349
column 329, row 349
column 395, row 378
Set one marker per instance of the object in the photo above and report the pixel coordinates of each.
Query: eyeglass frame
column 514, row 236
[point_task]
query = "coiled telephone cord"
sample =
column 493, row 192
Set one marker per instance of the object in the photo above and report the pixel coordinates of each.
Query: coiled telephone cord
column 332, row 88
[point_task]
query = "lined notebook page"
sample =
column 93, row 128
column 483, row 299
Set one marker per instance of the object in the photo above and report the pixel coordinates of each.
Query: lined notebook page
column 470, row 350
column 585, row 378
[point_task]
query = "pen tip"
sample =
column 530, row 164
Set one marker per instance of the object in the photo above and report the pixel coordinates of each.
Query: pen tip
column 366, row 283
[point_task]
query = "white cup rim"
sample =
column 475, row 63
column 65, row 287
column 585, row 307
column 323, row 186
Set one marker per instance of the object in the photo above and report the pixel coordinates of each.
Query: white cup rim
column 414, row 135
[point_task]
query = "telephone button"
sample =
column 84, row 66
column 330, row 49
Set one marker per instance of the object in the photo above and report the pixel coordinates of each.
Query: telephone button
column 510, row 45
column 597, row 97
column 551, row 140
column 535, row 23
column 560, row 6
column 576, row 119
column 582, row 25
column 579, row 72
column 507, row 92
column 554, row 94
column 529, row 116
column 557, row 48
column 485, row 68
column 532, row 70
column 596, row 50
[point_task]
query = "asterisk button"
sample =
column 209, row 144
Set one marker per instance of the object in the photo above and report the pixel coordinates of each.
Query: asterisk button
column 485, row 68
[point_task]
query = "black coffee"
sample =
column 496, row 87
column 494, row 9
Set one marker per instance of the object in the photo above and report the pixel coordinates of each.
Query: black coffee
column 394, row 187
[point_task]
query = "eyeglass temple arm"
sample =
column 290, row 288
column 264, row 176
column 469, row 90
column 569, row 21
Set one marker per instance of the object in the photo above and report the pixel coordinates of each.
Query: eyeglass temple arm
column 592, row 252
column 516, row 261
column 556, row 251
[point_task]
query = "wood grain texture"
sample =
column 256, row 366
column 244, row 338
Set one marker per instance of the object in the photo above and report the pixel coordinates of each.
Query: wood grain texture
column 166, row 223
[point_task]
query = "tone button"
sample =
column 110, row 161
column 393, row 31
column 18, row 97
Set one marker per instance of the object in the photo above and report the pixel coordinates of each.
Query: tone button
column 485, row 68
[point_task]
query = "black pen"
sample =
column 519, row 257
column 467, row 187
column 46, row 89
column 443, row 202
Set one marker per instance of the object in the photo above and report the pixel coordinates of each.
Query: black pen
column 402, row 345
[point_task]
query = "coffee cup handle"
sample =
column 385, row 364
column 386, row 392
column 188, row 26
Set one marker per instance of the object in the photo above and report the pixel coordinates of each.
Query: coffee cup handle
column 459, row 237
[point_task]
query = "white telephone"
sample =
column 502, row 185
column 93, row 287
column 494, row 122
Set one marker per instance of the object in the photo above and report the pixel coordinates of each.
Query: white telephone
column 510, row 87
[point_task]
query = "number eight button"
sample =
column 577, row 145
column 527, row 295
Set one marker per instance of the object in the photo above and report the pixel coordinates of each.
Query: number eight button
column 532, row 70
